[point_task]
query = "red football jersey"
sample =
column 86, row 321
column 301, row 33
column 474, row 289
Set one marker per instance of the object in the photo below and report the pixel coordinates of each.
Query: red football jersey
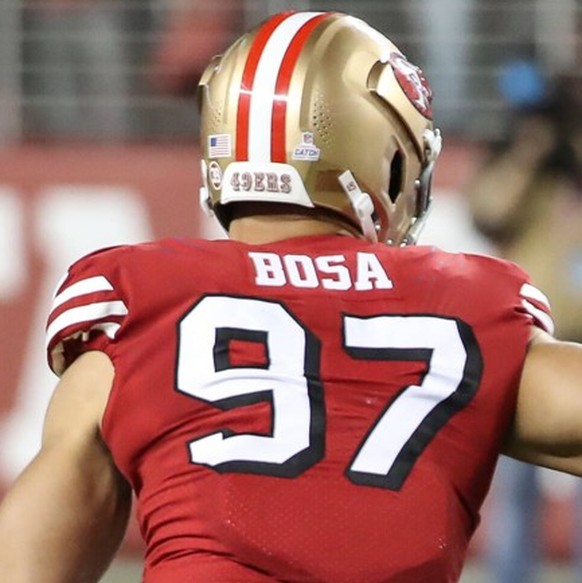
column 319, row 409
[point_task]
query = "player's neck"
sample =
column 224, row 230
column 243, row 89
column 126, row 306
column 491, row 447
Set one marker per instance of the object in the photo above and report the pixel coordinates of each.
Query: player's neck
column 270, row 228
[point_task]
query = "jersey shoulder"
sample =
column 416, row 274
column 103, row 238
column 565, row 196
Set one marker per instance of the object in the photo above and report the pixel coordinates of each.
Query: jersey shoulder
column 460, row 264
column 88, row 303
column 94, row 298
column 484, row 280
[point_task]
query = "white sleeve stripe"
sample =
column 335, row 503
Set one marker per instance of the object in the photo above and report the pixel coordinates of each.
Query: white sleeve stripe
column 110, row 328
column 531, row 292
column 84, row 314
column 60, row 284
column 81, row 288
column 539, row 315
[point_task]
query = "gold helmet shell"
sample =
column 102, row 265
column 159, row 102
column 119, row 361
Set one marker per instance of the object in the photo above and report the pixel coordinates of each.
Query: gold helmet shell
column 319, row 109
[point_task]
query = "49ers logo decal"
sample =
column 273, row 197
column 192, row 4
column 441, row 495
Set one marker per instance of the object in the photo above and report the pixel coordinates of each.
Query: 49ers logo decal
column 260, row 182
column 413, row 82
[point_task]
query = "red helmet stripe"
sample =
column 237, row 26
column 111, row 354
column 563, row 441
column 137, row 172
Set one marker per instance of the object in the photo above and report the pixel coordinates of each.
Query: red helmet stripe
column 250, row 70
column 278, row 134
column 270, row 63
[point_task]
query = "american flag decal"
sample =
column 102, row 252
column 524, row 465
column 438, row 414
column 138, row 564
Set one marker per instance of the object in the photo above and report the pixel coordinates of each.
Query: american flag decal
column 219, row 146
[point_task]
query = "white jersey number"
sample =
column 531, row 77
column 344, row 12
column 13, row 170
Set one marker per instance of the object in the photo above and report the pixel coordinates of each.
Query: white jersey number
column 289, row 380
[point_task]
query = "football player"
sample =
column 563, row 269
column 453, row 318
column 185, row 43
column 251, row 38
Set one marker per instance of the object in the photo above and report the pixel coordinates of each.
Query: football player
column 302, row 402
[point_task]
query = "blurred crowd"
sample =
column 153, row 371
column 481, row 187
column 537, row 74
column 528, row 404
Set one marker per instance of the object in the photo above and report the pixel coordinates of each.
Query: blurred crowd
column 119, row 69
column 93, row 68
column 526, row 199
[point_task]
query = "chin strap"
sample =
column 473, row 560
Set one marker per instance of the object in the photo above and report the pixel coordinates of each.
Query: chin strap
column 205, row 200
column 361, row 203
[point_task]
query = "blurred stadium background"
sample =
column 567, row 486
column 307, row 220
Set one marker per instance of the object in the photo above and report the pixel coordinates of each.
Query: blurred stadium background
column 98, row 146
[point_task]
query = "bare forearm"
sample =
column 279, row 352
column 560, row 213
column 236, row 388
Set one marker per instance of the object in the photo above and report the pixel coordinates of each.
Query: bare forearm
column 57, row 526
column 565, row 463
column 547, row 430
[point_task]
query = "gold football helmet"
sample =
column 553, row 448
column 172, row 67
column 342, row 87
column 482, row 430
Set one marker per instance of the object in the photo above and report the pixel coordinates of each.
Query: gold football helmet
column 318, row 109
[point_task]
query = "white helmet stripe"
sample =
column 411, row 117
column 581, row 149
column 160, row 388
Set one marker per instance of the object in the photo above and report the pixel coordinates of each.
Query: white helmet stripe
column 257, row 129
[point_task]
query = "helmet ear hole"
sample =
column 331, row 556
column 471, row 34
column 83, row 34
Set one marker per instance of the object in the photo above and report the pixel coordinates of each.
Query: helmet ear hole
column 396, row 176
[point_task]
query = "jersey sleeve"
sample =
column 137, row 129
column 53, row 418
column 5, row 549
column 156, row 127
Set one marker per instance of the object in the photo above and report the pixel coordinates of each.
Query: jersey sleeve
column 515, row 288
column 531, row 301
column 88, row 309
column 536, row 305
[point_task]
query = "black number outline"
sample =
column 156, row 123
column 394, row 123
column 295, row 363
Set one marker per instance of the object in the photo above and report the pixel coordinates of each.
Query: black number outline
column 437, row 417
column 302, row 460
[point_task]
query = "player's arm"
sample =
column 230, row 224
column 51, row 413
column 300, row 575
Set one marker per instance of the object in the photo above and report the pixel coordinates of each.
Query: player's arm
column 65, row 516
column 548, row 424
